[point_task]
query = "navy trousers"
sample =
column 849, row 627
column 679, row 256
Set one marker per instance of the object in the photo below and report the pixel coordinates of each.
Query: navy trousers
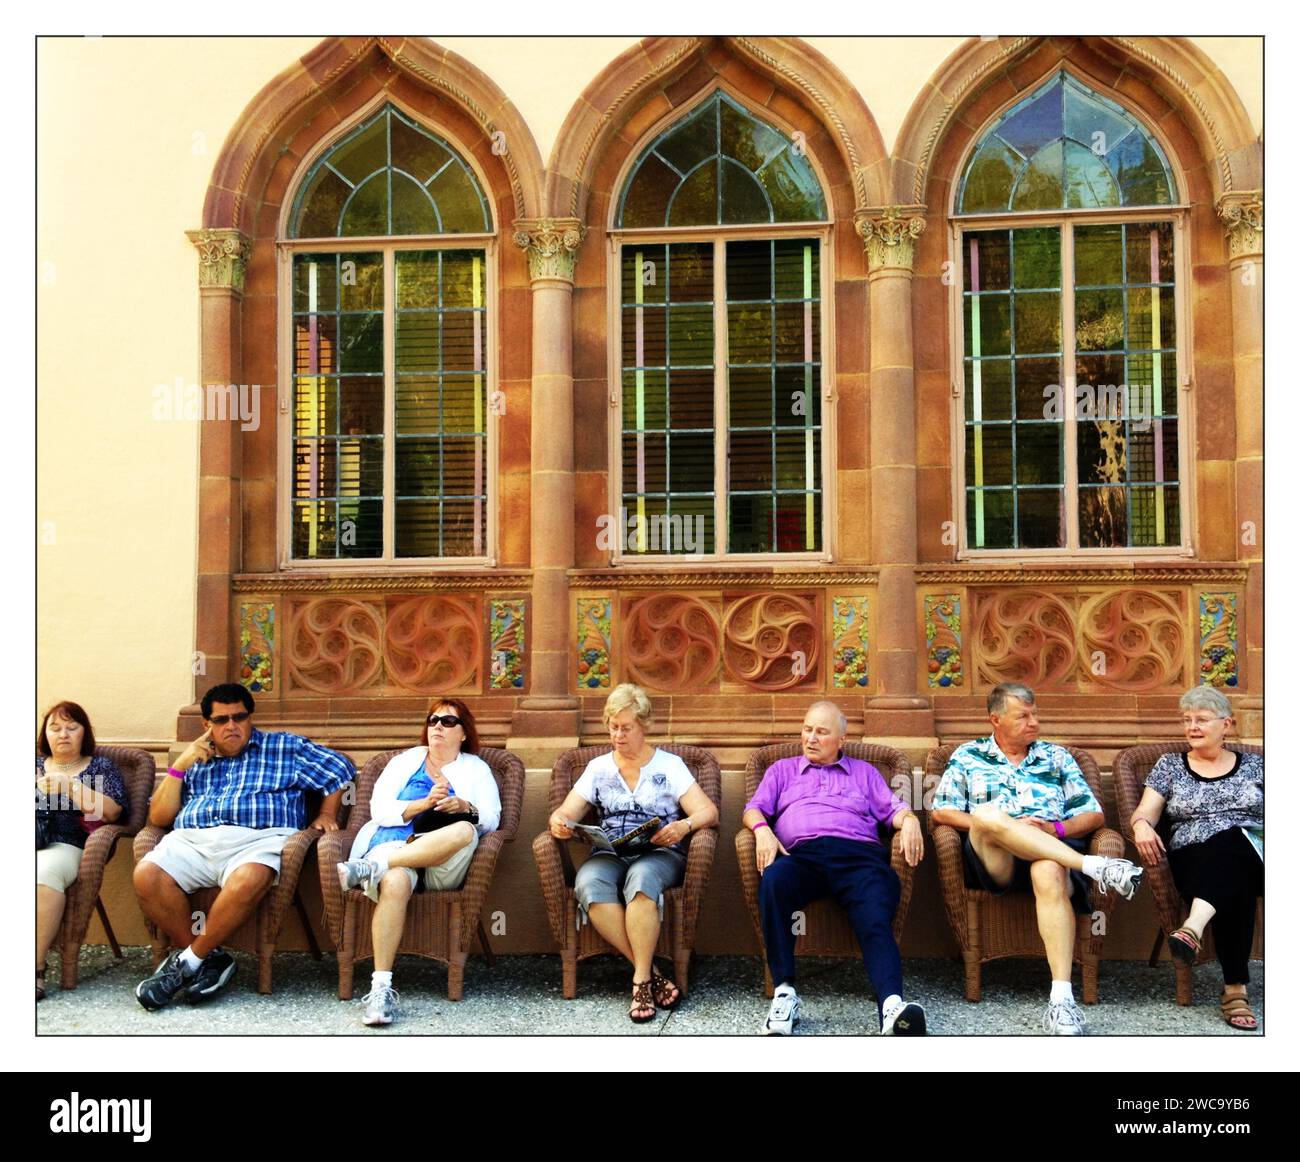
column 860, row 879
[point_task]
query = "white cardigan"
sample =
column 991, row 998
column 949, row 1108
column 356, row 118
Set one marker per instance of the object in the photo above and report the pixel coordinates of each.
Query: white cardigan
column 470, row 778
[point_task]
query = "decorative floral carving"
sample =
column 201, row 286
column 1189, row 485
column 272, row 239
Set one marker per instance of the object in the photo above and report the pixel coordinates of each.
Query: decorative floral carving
column 257, row 645
column 890, row 235
column 772, row 640
column 551, row 245
column 595, row 626
column 670, row 641
column 1132, row 639
column 943, row 640
column 433, row 644
column 1218, row 633
column 334, row 645
column 1023, row 636
column 849, row 642
column 508, row 646
column 223, row 257
column 1243, row 220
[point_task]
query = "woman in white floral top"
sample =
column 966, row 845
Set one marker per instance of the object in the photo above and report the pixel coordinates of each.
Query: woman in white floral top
column 1214, row 798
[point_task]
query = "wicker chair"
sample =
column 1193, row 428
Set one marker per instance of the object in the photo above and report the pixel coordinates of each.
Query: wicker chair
column 1130, row 774
column 137, row 767
column 681, row 904
column 827, row 931
column 990, row 927
column 261, row 931
column 441, row 925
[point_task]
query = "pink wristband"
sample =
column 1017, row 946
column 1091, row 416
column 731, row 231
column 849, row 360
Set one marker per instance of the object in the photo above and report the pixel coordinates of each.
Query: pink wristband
column 175, row 774
column 761, row 823
column 1060, row 828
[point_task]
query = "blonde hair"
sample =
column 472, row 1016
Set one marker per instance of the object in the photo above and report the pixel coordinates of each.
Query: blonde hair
column 625, row 697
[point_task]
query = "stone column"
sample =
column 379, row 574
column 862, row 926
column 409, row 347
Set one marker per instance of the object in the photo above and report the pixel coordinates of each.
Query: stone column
column 551, row 710
column 223, row 258
column 890, row 234
column 1243, row 218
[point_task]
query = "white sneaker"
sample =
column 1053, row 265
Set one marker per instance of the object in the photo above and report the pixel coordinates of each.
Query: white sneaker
column 903, row 1019
column 1123, row 875
column 1064, row 1019
column 783, row 1016
column 355, row 873
column 381, row 1005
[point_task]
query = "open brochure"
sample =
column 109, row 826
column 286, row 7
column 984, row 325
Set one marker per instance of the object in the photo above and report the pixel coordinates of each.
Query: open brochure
column 596, row 836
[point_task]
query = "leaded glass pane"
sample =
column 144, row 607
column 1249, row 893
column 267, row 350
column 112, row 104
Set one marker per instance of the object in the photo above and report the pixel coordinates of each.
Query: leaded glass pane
column 721, row 165
column 389, row 176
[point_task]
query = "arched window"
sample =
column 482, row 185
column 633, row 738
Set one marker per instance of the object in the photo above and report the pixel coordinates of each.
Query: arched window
column 720, row 232
column 1069, row 244
column 389, row 237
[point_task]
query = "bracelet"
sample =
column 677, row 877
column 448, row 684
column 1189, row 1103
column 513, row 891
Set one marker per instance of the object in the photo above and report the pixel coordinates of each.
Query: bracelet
column 175, row 774
column 1060, row 828
column 761, row 823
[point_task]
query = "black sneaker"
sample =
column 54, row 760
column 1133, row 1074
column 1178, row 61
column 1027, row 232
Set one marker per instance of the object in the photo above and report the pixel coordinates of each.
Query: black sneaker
column 214, row 974
column 161, row 988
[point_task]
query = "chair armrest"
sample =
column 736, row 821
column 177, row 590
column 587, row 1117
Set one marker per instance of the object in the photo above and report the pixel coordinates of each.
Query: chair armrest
column 746, row 857
column 1106, row 842
column 550, row 872
column 147, row 839
column 473, row 890
column 952, row 878
column 333, row 848
column 699, row 866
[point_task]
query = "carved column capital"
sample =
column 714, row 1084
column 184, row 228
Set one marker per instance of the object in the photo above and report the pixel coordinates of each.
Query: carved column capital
column 890, row 234
column 223, row 257
column 551, row 245
column 1242, row 215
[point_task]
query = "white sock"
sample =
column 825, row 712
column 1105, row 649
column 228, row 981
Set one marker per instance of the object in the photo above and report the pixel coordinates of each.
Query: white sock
column 190, row 963
column 378, row 979
column 891, row 1002
column 1092, row 866
column 1062, row 990
column 784, row 986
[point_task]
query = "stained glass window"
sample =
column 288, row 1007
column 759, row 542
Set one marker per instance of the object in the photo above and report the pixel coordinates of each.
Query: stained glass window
column 1065, row 147
column 721, row 342
column 390, row 411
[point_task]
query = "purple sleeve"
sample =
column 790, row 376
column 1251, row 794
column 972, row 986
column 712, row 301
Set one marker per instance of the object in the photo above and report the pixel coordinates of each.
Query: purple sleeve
column 764, row 799
column 883, row 803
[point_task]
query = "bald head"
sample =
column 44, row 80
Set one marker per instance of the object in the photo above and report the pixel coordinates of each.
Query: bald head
column 824, row 728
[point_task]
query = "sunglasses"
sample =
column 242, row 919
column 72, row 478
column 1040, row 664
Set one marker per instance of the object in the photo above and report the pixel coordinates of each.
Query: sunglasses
column 448, row 720
column 222, row 719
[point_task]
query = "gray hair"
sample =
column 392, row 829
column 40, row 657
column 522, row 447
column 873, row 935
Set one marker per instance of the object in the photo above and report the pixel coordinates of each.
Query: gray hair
column 1000, row 693
column 844, row 722
column 1206, row 698
column 629, row 696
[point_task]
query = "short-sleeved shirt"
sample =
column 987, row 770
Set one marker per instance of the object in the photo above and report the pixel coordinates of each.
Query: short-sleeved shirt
column 1197, row 807
column 845, row 799
column 69, row 825
column 1046, row 785
column 663, row 781
column 263, row 785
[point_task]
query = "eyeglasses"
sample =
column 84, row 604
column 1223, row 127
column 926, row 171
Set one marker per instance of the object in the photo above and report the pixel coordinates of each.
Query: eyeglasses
column 448, row 720
column 222, row 719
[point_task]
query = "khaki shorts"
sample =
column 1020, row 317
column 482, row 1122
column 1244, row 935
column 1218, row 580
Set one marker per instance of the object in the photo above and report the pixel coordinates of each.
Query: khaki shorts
column 57, row 865
column 204, row 857
column 436, row 879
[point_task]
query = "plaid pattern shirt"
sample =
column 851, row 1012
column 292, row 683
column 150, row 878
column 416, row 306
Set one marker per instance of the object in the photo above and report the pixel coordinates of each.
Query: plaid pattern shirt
column 263, row 785
column 1046, row 785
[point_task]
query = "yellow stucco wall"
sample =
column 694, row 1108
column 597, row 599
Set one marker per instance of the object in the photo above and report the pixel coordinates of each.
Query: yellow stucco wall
column 128, row 132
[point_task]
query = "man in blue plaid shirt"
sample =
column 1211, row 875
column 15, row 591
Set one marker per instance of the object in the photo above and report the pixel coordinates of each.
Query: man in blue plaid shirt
column 233, row 799
column 1025, row 808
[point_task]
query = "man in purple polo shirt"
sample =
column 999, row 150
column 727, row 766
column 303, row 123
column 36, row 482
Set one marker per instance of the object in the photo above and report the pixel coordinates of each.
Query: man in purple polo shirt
column 815, row 818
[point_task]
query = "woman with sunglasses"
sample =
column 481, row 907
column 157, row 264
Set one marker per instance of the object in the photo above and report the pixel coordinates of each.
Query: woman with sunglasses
column 427, row 811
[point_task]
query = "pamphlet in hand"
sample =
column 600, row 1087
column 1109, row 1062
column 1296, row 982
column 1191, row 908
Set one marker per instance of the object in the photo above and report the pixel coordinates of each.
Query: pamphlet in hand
column 601, row 842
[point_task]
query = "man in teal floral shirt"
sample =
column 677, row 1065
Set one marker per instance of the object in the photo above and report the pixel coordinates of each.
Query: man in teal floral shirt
column 1025, row 808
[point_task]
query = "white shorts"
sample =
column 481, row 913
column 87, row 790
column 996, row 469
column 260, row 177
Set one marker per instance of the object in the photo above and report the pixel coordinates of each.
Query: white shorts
column 436, row 879
column 204, row 857
column 57, row 865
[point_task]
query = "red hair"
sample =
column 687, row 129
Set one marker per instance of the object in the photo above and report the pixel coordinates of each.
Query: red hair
column 470, row 742
column 66, row 710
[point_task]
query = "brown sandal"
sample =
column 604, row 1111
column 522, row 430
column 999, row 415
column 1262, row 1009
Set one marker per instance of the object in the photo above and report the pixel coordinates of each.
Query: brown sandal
column 1184, row 945
column 642, row 999
column 663, row 989
column 1237, row 1012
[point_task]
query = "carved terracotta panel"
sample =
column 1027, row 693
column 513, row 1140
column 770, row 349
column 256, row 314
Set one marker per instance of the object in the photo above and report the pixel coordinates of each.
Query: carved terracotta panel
column 850, row 642
column 508, row 650
column 772, row 641
column 943, row 640
column 257, row 645
column 1023, row 635
column 670, row 641
column 594, row 630
column 1133, row 639
column 334, row 645
column 433, row 643
column 1218, row 639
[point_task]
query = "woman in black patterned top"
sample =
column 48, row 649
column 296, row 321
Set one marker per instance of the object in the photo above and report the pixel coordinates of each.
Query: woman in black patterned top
column 81, row 791
column 1215, row 801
